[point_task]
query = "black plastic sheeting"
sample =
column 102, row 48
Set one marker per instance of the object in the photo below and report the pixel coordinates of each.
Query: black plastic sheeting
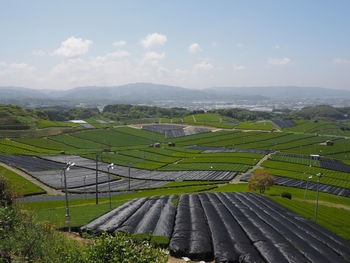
column 154, row 215
column 136, row 173
column 284, row 123
column 227, row 228
column 30, row 163
column 191, row 236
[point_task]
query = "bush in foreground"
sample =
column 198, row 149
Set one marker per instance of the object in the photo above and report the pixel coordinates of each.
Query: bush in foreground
column 122, row 248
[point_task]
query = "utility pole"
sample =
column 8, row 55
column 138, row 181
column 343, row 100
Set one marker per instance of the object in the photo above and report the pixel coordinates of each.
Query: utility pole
column 319, row 175
column 96, row 189
column 110, row 166
column 68, row 219
column 307, row 184
column 129, row 177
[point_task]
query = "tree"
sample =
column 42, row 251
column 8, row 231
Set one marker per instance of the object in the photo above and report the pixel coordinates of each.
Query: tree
column 260, row 180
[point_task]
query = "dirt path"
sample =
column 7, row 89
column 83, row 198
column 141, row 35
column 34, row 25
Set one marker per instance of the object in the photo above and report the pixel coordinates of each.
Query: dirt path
column 346, row 207
column 237, row 179
column 180, row 260
column 49, row 190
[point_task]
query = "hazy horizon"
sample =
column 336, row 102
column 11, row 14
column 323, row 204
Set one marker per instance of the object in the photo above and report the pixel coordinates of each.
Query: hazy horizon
column 190, row 44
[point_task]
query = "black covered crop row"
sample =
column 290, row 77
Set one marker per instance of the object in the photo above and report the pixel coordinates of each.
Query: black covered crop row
column 154, row 215
column 284, row 123
column 325, row 163
column 30, row 163
column 227, row 227
column 118, row 185
column 136, row 173
column 191, row 235
column 291, row 182
column 76, row 177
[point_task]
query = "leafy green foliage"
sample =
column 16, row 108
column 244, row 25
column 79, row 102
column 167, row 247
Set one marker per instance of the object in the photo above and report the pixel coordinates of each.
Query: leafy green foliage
column 124, row 248
column 25, row 240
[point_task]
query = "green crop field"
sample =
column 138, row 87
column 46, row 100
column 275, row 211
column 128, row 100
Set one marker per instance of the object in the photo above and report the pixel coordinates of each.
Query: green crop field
column 330, row 177
column 149, row 156
column 113, row 138
column 297, row 160
column 45, row 143
column 263, row 125
column 340, row 146
column 77, row 142
column 245, row 138
column 46, row 123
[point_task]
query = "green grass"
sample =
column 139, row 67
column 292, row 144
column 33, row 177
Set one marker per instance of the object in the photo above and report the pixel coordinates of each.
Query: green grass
column 80, row 215
column 19, row 184
column 46, row 123
column 115, row 137
column 77, row 142
column 13, row 147
column 205, row 166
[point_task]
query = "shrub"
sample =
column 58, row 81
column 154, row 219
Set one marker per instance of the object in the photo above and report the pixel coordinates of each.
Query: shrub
column 7, row 195
column 123, row 248
column 160, row 241
column 286, row 195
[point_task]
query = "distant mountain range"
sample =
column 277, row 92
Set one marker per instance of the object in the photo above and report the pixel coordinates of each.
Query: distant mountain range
column 148, row 92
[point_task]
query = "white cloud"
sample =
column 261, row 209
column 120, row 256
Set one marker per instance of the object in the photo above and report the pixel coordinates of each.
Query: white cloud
column 239, row 67
column 153, row 58
column 240, row 45
column 152, row 40
column 276, row 46
column 120, row 43
column 341, row 61
column 73, row 47
column 194, row 48
column 278, row 61
column 13, row 68
column 203, row 65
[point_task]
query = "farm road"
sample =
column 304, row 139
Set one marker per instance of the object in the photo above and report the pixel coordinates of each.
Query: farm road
column 237, row 178
column 49, row 190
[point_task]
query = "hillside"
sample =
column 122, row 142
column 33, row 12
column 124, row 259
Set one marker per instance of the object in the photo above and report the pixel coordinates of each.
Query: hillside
column 149, row 92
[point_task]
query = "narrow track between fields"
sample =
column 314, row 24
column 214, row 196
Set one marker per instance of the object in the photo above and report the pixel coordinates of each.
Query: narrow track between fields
column 237, row 178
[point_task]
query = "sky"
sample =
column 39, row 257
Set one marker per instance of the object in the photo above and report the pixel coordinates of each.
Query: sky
column 189, row 43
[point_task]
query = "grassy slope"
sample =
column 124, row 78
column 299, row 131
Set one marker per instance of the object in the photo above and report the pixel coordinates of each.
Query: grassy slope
column 19, row 184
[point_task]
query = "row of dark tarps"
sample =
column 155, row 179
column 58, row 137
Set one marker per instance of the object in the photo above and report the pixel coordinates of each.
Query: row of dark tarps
column 226, row 227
